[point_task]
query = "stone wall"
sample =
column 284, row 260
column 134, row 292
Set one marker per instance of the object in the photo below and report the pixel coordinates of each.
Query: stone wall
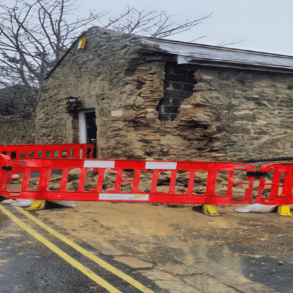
column 135, row 134
column 230, row 115
column 52, row 123
column 94, row 76
column 16, row 130
column 253, row 109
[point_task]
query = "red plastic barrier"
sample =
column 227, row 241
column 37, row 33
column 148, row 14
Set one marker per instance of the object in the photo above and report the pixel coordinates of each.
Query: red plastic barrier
column 5, row 176
column 60, row 151
column 276, row 196
column 42, row 151
column 98, row 194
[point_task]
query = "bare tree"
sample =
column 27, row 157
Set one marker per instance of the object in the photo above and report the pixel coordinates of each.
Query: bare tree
column 35, row 34
column 224, row 43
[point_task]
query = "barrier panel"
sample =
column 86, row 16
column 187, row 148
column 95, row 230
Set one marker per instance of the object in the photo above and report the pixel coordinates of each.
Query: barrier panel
column 43, row 151
column 134, row 167
column 279, row 193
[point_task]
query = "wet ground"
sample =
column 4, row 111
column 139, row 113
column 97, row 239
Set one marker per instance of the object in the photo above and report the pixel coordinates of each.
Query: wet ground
column 163, row 248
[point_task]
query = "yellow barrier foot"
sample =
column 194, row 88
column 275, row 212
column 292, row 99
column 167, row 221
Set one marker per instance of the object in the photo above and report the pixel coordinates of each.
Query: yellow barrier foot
column 37, row 205
column 210, row 210
column 284, row 210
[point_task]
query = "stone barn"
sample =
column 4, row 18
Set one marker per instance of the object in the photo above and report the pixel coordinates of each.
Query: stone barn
column 148, row 98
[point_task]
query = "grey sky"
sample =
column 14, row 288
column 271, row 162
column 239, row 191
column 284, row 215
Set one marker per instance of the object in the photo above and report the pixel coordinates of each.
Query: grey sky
column 265, row 24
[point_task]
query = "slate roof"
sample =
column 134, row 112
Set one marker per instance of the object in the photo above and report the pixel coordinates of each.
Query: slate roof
column 192, row 53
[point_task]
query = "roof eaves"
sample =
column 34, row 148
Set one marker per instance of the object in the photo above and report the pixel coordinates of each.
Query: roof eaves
column 157, row 40
column 228, row 63
column 199, row 52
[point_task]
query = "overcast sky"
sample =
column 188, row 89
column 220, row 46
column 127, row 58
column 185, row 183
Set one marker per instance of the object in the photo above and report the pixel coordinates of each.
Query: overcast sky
column 263, row 25
column 266, row 25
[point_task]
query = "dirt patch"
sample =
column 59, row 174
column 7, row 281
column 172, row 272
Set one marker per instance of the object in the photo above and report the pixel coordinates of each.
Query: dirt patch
column 153, row 231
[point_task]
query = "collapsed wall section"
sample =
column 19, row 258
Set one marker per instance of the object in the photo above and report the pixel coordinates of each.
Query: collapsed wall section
column 161, row 118
column 132, row 133
column 178, row 85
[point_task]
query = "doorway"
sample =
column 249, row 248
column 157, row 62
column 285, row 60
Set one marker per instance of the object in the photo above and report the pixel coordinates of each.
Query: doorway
column 88, row 128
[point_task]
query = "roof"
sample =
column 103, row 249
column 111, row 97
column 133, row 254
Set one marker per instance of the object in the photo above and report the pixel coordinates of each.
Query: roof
column 206, row 54
column 192, row 53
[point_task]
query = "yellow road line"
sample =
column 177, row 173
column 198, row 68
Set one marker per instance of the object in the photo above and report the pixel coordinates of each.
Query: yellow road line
column 62, row 254
column 94, row 258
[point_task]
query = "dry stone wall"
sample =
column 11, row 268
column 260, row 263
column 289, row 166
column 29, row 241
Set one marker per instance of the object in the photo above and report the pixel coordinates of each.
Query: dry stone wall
column 52, row 124
column 93, row 75
column 16, row 130
column 253, row 109
column 132, row 134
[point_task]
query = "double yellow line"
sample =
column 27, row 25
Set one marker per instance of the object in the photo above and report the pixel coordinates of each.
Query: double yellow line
column 71, row 260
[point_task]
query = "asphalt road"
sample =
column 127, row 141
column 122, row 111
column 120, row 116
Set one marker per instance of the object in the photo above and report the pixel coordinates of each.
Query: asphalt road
column 50, row 265
column 149, row 249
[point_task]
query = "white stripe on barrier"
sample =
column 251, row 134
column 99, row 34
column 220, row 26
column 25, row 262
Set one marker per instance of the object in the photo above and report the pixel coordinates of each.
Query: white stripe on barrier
column 99, row 164
column 119, row 196
column 161, row 165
